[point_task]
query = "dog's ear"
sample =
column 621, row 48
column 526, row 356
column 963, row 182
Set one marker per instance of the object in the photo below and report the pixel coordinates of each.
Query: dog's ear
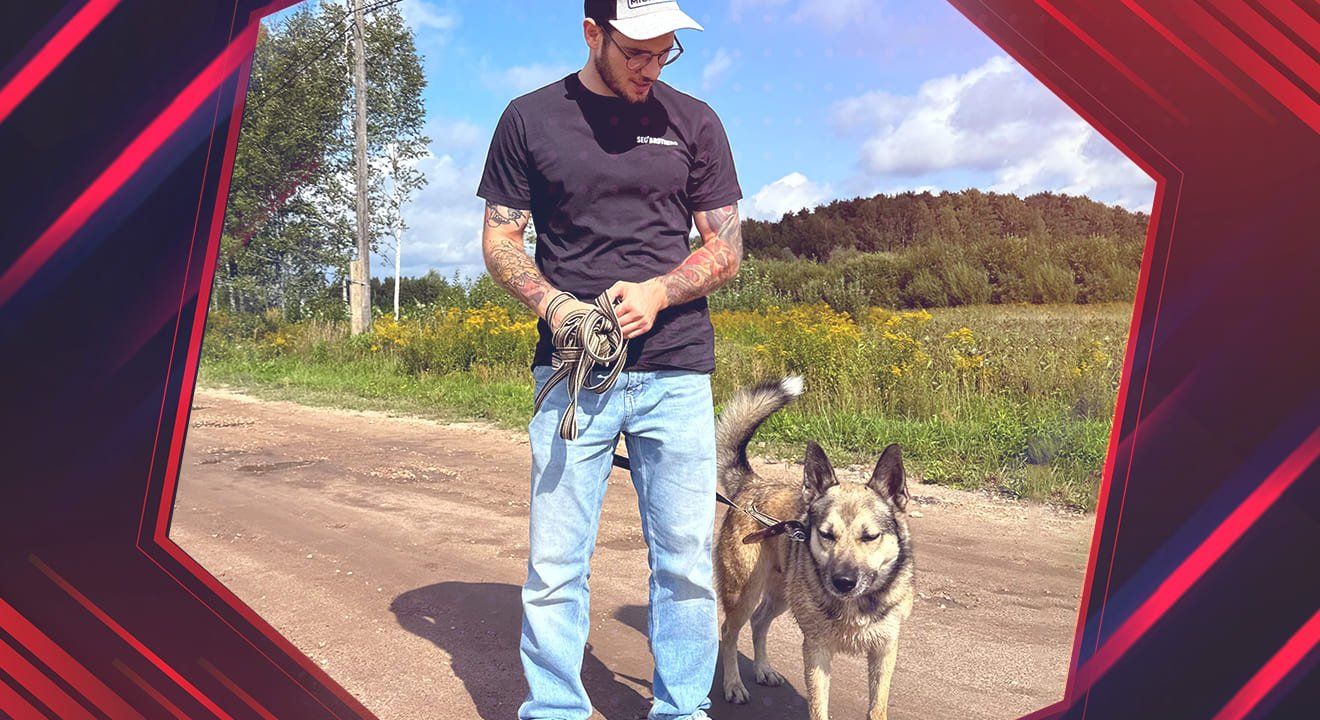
column 888, row 480
column 818, row 474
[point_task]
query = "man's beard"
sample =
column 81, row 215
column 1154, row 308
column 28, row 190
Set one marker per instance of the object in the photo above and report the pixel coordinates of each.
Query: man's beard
column 616, row 82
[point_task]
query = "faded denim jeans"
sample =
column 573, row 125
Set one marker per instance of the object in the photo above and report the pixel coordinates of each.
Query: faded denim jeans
column 667, row 420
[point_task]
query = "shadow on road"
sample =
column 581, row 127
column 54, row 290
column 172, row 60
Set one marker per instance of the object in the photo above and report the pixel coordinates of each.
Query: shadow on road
column 767, row 703
column 478, row 625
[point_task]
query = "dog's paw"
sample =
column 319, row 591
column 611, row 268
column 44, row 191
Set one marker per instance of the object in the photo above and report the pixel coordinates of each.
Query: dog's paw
column 767, row 676
column 737, row 694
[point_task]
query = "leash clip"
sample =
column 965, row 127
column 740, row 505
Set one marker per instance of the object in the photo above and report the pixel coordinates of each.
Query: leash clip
column 795, row 531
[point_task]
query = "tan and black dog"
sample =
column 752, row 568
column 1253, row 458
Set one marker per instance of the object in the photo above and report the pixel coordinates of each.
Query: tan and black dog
column 849, row 584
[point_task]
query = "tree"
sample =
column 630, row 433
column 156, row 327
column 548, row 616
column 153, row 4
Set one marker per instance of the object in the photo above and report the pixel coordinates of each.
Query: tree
column 277, row 236
column 288, row 229
column 396, row 117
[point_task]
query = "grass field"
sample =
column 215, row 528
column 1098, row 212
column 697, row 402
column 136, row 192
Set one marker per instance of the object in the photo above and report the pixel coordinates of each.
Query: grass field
column 1015, row 399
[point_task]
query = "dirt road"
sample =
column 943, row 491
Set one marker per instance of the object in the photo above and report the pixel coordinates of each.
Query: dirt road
column 391, row 551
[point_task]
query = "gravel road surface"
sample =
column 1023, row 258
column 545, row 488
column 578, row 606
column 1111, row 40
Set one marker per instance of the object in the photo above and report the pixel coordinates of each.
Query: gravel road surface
column 391, row 551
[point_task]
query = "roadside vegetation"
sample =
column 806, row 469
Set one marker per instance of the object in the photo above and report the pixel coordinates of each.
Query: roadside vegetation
column 1016, row 399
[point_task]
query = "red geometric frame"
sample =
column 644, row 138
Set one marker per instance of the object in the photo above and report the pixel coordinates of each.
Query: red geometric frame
column 1163, row 81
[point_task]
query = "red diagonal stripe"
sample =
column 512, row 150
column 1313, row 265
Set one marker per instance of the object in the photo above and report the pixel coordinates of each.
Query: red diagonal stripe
column 128, row 637
column 1273, row 671
column 1264, row 74
column 16, row 706
column 1195, row 57
column 52, row 54
column 55, row 658
column 1109, row 57
column 1279, row 45
column 31, row 677
column 148, row 689
column 242, row 694
column 1297, row 20
column 127, row 164
column 1200, row 560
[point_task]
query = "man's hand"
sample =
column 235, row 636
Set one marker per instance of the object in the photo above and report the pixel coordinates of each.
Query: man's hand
column 564, row 311
column 637, row 304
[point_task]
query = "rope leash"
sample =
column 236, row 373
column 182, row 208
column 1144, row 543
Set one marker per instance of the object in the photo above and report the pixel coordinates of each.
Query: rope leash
column 585, row 339
column 588, row 338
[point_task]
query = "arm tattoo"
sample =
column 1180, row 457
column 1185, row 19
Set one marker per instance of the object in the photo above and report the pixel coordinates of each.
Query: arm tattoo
column 498, row 215
column 507, row 261
column 714, row 263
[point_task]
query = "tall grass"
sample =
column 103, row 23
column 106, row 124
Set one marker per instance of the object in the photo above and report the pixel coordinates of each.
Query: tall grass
column 1013, row 398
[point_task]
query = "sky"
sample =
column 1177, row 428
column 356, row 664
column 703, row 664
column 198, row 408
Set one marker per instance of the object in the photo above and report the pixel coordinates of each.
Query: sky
column 821, row 100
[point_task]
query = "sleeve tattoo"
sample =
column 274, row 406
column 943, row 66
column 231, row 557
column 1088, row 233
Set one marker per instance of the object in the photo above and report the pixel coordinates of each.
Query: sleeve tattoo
column 713, row 264
column 506, row 260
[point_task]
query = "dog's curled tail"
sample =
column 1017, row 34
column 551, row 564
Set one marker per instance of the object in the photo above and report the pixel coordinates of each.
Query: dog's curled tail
column 744, row 413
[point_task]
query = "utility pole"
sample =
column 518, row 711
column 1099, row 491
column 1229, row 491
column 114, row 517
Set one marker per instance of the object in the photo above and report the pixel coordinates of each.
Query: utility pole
column 360, row 270
column 398, row 253
column 396, row 225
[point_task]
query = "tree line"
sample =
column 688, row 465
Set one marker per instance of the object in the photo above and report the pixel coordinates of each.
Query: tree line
column 915, row 250
column 895, row 223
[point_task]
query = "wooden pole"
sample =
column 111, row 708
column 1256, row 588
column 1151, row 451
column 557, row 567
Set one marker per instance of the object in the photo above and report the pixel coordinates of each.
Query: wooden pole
column 360, row 291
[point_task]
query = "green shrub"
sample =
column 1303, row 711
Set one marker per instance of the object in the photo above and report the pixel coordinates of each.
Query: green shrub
column 966, row 283
column 750, row 289
column 925, row 289
column 875, row 275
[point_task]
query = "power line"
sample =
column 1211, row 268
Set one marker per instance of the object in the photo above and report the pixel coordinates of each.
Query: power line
column 322, row 50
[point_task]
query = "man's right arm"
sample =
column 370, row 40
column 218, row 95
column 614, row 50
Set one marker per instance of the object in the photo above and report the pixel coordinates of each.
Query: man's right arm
column 509, row 265
column 507, row 262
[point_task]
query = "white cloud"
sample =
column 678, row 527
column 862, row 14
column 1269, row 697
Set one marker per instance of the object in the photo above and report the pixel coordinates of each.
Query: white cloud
column 790, row 193
column 717, row 68
column 869, row 111
column 456, row 137
column 521, row 79
column 993, row 119
column 425, row 17
column 444, row 218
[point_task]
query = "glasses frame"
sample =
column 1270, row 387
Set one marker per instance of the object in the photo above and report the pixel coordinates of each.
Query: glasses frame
column 632, row 56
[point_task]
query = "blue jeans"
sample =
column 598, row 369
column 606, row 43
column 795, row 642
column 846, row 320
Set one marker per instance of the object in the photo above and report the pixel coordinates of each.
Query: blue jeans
column 667, row 420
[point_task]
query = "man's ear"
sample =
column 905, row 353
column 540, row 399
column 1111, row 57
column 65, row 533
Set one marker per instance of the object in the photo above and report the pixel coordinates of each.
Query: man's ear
column 817, row 474
column 591, row 31
column 888, row 479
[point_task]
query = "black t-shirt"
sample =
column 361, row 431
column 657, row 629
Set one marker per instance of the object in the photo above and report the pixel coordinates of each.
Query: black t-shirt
column 612, row 186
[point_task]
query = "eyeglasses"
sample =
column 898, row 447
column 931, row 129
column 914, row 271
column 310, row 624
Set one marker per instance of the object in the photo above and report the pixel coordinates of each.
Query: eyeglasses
column 638, row 59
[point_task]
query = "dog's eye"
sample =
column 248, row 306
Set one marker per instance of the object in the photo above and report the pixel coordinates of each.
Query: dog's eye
column 826, row 535
column 869, row 537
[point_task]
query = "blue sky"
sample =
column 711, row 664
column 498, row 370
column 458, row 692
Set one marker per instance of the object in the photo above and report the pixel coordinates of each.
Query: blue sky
column 821, row 99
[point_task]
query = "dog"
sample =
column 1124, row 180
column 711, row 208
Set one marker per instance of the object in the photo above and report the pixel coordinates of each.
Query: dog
column 849, row 584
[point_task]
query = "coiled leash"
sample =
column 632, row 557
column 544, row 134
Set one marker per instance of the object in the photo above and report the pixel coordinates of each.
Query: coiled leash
column 592, row 337
column 585, row 339
column 771, row 526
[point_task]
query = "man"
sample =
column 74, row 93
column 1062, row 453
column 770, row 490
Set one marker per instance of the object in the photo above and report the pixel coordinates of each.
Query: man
column 614, row 167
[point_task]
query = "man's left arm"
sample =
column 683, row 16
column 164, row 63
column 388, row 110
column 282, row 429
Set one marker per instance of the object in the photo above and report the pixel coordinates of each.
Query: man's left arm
column 704, row 271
